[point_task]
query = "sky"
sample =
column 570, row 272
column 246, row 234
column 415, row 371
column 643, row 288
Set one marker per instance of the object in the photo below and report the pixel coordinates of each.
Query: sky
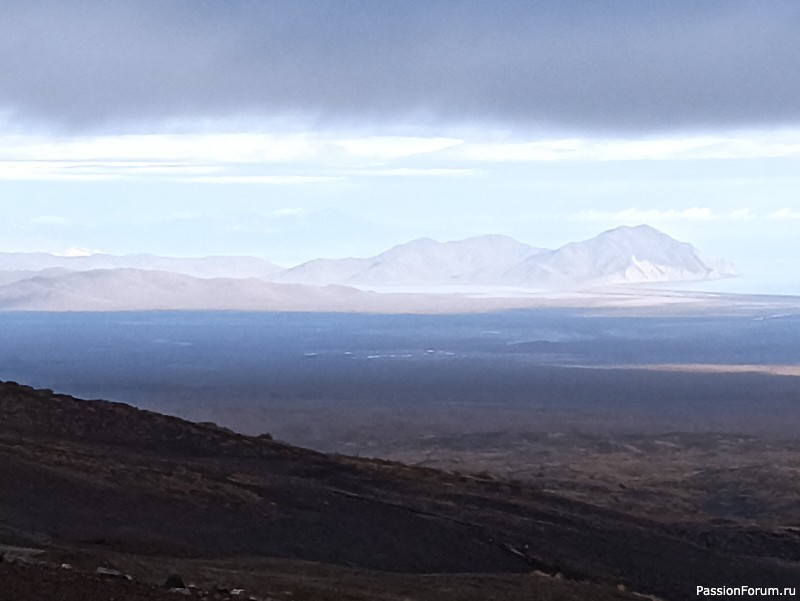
column 304, row 128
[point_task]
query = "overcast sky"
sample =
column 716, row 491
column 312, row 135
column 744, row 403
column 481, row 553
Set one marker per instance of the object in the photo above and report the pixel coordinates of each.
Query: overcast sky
column 294, row 129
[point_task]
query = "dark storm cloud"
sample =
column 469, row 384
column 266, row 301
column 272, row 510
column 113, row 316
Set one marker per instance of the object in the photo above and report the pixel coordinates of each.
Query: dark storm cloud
column 596, row 64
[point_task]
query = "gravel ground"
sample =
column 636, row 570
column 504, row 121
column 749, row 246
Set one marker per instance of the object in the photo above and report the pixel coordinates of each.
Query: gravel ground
column 20, row 582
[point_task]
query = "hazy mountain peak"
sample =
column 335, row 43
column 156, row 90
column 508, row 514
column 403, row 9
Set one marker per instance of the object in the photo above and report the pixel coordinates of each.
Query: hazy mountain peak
column 623, row 255
column 203, row 267
column 411, row 246
column 626, row 229
column 636, row 234
column 627, row 254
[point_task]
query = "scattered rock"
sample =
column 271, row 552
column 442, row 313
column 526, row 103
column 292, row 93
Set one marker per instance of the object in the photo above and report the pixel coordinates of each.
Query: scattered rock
column 111, row 573
column 174, row 581
column 180, row 591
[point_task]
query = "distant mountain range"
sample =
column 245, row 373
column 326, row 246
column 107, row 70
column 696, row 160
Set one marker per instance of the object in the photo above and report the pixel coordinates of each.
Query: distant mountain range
column 480, row 260
column 625, row 255
column 205, row 267
column 125, row 289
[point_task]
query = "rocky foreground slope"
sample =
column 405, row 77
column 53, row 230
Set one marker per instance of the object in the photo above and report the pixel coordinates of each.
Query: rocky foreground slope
column 98, row 483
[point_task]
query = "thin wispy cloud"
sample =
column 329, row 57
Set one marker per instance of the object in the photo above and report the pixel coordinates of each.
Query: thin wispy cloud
column 261, row 180
column 785, row 213
column 194, row 148
column 634, row 216
column 269, row 158
column 394, row 147
column 213, row 158
column 50, row 170
column 418, row 172
column 778, row 143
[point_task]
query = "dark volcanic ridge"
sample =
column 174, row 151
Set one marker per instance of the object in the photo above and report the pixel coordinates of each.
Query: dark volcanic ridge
column 108, row 478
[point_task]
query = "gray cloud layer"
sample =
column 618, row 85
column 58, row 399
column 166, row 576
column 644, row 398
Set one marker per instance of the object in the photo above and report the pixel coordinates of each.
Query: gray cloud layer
column 590, row 64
